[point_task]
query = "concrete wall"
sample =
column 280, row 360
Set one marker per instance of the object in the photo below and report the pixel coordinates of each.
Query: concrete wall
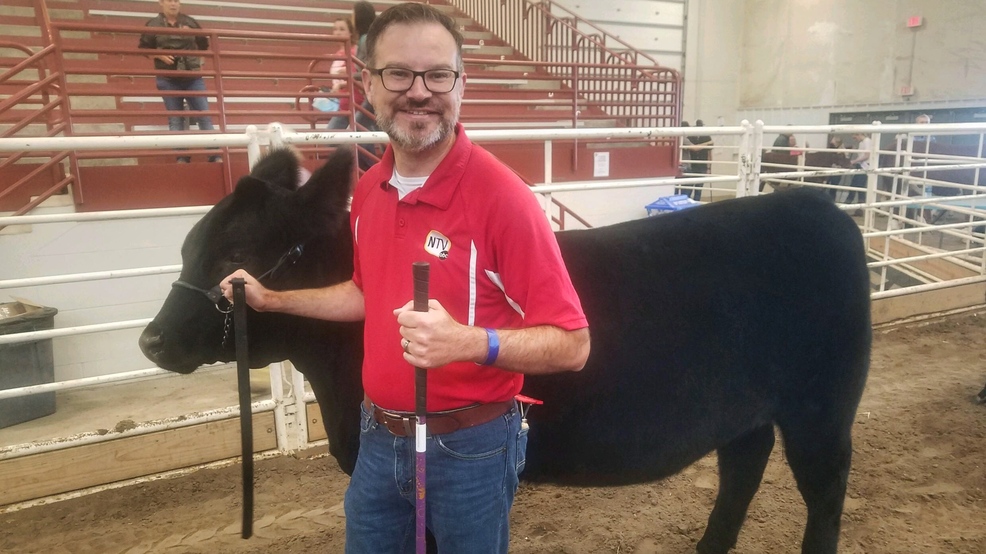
column 812, row 53
column 796, row 61
column 62, row 248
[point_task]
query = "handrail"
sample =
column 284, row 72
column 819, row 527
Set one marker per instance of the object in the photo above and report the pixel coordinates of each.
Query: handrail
column 44, row 86
column 538, row 34
column 603, row 88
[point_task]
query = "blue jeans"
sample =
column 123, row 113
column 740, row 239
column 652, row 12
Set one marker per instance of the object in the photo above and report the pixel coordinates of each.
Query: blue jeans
column 365, row 162
column 472, row 476
column 176, row 103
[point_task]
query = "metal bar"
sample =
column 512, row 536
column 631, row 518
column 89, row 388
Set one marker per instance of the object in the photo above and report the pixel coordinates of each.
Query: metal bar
column 70, row 331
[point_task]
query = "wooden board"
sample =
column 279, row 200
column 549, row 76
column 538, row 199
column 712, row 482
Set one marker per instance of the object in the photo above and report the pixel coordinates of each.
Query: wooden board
column 888, row 310
column 316, row 430
column 61, row 471
column 942, row 268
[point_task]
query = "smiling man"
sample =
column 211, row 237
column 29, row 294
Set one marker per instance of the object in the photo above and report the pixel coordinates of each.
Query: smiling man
column 501, row 303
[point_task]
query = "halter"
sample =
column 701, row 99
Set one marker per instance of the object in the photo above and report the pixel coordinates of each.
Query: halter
column 215, row 294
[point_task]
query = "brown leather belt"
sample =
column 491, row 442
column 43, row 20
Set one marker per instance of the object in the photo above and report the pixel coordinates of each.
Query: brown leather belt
column 401, row 424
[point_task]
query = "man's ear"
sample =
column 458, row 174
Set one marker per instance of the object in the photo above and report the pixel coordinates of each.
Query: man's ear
column 368, row 84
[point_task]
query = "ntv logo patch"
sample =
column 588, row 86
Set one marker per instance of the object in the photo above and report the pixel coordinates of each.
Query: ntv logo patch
column 438, row 245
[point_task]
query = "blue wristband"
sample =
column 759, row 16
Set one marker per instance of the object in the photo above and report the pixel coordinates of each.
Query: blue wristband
column 492, row 346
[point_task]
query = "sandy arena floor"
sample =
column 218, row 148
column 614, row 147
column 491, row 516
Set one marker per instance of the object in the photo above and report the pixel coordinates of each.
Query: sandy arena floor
column 918, row 485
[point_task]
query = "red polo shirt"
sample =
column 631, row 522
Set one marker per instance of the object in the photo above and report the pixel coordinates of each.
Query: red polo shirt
column 494, row 262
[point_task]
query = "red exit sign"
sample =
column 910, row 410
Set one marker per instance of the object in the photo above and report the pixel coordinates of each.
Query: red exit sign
column 915, row 21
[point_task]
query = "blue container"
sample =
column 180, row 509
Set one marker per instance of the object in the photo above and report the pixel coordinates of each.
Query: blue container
column 674, row 203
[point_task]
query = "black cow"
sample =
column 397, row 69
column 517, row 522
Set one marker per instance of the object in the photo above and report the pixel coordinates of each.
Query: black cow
column 710, row 327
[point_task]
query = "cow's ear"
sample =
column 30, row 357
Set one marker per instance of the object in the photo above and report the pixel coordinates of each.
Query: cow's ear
column 327, row 191
column 251, row 191
column 279, row 167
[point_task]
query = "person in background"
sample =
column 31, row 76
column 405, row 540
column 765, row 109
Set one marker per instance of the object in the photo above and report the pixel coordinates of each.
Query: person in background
column 784, row 140
column 172, row 18
column 343, row 29
column 363, row 16
column 684, row 167
column 788, row 144
column 839, row 158
column 792, row 143
column 860, row 160
column 701, row 155
column 502, row 303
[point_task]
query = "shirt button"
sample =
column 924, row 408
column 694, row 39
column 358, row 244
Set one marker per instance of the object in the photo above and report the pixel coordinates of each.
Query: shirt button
column 400, row 222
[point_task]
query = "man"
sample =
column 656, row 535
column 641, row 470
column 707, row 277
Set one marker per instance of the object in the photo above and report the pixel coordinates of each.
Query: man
column 172, row 18
column 502, row 303
column 860, row 160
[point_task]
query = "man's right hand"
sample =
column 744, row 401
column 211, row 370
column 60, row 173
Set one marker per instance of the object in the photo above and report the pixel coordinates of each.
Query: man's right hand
column 256, row 294
column 170, row 60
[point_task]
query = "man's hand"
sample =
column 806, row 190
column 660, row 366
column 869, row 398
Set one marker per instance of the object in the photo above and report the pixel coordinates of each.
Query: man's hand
column 256, row 294
column 170, row 60
column 433, row 339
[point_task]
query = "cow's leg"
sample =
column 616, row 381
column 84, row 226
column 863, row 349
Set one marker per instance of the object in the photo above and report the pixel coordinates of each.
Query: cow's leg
column 741, row 465
column 820, row 461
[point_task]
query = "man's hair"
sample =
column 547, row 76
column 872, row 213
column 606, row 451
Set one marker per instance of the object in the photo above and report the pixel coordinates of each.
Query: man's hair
column 407, row 14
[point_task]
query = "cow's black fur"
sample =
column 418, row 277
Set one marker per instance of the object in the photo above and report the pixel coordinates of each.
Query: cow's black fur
column 710, row 328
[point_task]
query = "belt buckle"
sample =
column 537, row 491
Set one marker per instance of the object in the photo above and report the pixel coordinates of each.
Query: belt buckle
column 398, row 422
column 408, row 426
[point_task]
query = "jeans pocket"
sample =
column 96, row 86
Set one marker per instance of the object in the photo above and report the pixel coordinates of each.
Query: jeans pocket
column 366, row 421
column 476, row 443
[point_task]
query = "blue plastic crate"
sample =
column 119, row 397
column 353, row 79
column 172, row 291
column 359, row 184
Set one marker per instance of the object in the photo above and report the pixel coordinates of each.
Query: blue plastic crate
column 673, row 203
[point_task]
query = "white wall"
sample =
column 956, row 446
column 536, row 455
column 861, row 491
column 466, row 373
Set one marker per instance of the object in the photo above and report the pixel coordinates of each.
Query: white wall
column 61, row 248
column 796, row 61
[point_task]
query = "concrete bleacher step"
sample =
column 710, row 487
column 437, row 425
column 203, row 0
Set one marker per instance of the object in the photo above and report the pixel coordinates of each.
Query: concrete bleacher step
column 56, row 204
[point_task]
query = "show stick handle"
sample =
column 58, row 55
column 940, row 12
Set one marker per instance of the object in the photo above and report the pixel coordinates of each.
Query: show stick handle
column 420, row 271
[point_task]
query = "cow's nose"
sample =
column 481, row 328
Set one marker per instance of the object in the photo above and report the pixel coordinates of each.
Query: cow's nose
column 150, row 343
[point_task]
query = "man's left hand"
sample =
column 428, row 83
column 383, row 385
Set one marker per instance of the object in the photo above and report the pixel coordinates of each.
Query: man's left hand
column 433, row 338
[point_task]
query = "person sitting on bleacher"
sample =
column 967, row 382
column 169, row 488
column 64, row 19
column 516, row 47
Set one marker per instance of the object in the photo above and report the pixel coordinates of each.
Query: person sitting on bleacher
column 172, row 18
column 343, row 29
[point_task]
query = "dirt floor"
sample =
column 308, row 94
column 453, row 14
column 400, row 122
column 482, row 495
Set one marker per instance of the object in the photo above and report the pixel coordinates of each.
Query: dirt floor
column 918, row 485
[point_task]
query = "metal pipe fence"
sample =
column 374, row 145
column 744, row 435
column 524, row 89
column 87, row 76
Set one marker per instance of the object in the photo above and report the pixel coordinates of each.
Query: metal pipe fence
column 899, row 240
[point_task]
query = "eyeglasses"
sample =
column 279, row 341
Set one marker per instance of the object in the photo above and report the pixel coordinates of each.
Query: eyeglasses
column 398, row 79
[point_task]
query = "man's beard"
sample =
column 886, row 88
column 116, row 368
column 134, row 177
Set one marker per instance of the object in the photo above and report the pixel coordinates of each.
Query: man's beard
column 412, row 142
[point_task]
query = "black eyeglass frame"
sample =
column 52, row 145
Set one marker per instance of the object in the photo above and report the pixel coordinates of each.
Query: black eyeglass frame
column 414, row 75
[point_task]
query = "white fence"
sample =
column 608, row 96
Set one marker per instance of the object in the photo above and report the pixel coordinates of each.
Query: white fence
column 922, row 218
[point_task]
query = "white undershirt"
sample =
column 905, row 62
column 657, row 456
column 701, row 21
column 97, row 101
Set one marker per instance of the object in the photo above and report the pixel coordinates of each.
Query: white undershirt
column 405, row 185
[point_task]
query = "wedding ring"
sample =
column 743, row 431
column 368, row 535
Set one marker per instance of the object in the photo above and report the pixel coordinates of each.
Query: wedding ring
column 404, row 344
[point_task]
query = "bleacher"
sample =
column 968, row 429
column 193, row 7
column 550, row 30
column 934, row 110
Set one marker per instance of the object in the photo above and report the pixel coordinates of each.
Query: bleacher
column 266, row 63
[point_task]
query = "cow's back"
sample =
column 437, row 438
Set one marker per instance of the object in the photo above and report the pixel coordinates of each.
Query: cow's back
column 705, row 324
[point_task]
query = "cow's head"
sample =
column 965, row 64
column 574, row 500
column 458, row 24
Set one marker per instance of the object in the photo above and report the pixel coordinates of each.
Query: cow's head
column 260, row 227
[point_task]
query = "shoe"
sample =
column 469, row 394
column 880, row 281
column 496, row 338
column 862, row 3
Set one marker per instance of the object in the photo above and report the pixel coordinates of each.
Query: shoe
column 215, row 159
column 184, row 160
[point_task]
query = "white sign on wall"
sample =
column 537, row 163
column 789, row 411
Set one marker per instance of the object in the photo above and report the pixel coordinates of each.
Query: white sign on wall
column 600, row 164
